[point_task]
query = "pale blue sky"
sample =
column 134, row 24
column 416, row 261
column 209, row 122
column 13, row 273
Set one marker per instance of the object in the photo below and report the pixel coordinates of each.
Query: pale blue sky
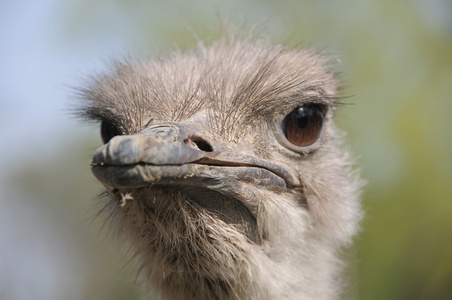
column 38, row 67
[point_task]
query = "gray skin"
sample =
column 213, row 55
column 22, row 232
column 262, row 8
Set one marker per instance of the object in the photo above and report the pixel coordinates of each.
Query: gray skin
column 204, row 186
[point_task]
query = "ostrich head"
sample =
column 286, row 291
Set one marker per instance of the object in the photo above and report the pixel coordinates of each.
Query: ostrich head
column 224, row 171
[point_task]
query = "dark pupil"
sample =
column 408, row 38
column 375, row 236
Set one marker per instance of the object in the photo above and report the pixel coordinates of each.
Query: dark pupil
column 302, row 118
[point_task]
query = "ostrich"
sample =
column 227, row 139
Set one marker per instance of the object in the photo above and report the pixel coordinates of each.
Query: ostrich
column 224, row 171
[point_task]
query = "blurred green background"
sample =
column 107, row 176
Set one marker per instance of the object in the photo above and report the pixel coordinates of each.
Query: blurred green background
column 396, row 57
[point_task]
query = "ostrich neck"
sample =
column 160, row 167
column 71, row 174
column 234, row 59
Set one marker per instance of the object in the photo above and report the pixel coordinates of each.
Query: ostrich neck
column 188, row 252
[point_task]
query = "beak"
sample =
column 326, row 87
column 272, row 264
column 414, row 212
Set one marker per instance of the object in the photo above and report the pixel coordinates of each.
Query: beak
column 172, row 154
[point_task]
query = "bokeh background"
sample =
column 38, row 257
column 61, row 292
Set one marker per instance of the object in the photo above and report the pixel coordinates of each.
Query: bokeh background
column 396, row 57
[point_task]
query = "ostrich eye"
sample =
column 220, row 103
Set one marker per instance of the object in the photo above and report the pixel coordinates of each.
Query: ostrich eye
column 108, row 131
column 303, row 126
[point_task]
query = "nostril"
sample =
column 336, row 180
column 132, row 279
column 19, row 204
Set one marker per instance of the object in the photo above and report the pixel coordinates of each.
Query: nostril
column 201, row 143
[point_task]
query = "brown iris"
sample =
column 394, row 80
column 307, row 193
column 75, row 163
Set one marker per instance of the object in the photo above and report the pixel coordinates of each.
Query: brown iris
column 303, row 126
